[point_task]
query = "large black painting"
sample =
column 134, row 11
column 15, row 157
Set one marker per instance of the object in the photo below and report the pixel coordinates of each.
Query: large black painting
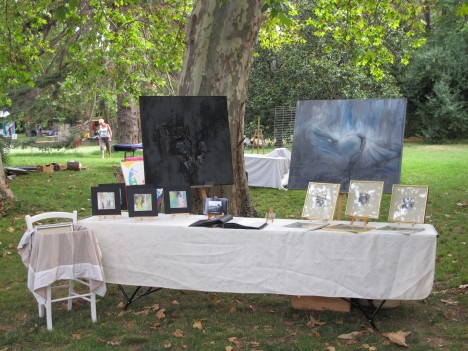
column 186, row 140
column 336, row 141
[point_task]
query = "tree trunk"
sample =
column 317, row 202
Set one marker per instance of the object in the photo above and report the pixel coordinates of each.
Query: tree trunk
column 128, row 130
column 5, row 191
column 220, row 41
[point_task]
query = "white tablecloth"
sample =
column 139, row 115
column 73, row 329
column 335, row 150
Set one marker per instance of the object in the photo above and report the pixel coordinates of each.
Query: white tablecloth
column 165, row 252
column 267, row 171
column 51, row 257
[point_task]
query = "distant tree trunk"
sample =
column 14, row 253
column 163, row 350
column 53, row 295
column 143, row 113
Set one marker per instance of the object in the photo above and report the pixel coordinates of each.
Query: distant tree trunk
column 5, row 191
column 127, row 119
column 220, row 41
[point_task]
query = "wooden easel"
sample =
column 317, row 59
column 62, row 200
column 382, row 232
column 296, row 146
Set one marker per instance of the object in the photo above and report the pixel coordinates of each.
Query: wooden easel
column 258, row 139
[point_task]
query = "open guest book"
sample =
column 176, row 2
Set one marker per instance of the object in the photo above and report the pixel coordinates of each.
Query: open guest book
column 229, row 221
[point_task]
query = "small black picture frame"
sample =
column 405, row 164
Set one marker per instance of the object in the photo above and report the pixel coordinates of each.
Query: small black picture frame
column 105, row 201
column 142, row 200
column 123, row 192
column 178, row 199
column 215, row 206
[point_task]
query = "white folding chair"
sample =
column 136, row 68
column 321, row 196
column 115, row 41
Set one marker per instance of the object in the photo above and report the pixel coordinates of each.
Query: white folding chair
column 62, row 227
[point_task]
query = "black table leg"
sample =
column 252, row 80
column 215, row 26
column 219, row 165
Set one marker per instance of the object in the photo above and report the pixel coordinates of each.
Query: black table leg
column 130, row 299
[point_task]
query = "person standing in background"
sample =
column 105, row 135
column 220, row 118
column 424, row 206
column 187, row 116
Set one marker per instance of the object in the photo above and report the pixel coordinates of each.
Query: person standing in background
column 105, row 137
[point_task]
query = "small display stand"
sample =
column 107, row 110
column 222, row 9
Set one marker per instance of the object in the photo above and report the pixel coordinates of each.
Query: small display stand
column 258, row 139
column 270, row 216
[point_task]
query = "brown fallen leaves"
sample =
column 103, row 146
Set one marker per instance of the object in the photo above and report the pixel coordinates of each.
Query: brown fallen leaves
column 398, row 338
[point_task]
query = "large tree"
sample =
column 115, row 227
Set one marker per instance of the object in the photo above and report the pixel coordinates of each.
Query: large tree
column 220, row 41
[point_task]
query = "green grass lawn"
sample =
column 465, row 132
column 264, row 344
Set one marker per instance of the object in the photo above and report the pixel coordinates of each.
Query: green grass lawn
column 188, row 320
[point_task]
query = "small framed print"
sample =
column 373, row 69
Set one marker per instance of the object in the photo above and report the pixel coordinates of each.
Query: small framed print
column 320, row 201
column 105, row 201
column 178, row 199
column 408, row 203
column 142, row 201
column 123, row 192
column 214, row 206
column 364, row 198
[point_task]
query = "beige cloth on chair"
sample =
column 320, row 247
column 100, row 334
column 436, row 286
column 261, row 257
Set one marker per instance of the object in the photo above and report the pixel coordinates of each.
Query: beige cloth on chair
column 51, row 257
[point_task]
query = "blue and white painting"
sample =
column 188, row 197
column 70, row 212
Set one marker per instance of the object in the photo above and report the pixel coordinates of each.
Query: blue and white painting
column 336, row 141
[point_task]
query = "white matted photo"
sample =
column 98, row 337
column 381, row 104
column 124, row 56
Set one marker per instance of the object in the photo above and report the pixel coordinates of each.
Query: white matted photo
column 320, row 201
column 364, row 198
column 408, row 203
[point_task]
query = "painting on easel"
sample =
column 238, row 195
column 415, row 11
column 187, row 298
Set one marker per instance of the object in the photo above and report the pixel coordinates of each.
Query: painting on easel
column 339, row 140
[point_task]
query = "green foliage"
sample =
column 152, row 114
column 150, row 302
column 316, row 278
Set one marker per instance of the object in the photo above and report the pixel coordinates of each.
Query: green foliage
column 435, row 81
column 81, row 52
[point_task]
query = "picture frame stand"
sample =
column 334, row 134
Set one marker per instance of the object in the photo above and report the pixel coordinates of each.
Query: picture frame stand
column 339, row 205
column 270, row 215
column 403, row 223
column 101, row 217
column 358, row 219
column 174, row 215
column 136, row 219
column 210, row 215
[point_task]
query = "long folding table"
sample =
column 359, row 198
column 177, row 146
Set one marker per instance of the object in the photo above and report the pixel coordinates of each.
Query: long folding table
column 165, row 252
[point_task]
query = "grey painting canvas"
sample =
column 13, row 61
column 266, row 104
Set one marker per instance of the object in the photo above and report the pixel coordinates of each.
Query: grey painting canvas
column 336, row 141
column 186, row 140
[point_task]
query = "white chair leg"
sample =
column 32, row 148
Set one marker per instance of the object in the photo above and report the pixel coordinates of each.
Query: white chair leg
column 71, row 286
column 93, row 307
column 48, row 308
column 41, row 309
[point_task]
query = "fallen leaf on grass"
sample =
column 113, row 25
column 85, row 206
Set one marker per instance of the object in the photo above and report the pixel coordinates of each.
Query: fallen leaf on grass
column 167, row 345
column 121, row 314
column 161, row 313
column 10, row 229
column 368, row 347
column 175, row 302
column 449, row 301
column 228, row 348
column 156, row 326
column 330, row 348
column 121, row 305
column 178, row 333
column 234, row 340
column 76, row 336
column 398, row 338
column 313, row 322
column 349, row 336
column 197, row 325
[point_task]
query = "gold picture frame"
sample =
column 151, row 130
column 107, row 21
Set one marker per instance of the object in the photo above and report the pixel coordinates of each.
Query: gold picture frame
column 408, row 203
column 364, row 198
column 320, row 201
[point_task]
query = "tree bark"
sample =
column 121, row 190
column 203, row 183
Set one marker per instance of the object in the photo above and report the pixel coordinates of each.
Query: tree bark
column 220, row 41
column 128, row 130
column 5, row 191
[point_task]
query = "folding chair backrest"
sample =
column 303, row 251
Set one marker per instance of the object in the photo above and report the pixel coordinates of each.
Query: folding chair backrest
column 30, row 220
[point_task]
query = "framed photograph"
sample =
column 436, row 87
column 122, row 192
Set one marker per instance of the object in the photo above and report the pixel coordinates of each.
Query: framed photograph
column 178, row 199
column 364, row 198
column 408, row 203
column 142, row 201
column 122, row 190
column 105, row 201
column 214, row 206
column 320, row 201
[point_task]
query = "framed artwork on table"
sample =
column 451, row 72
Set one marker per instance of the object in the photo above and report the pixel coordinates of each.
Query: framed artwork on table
column 408, row 203
column 364, row 198
column 142, row 201
column 122, row 190
column 178, row 199
column 320, row 201
column 214, row 206
column 105, row 201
